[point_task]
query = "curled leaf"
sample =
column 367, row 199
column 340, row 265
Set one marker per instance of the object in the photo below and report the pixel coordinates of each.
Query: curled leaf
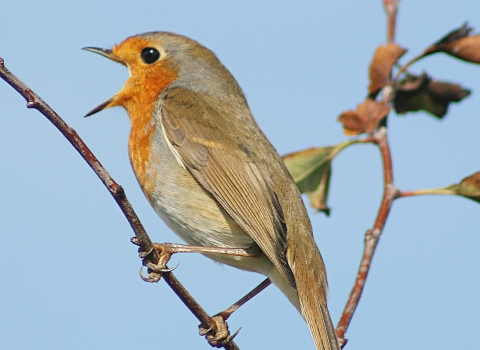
column 447, row 92
column 317, row 187
column 467, row 49
column 413, row 82
column 459, row 43
column 454, row 35
column 366, row 118
column 416, row 93
column 352, row 124
column 469, row 187
column 311, row 170
column 381, row 66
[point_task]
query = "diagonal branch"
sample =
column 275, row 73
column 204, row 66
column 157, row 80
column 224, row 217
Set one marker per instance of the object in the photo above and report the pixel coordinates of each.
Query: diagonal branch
column 34, row 101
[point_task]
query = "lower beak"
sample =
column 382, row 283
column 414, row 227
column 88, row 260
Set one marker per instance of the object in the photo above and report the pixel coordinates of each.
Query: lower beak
column 100, row 107
column 108, row 54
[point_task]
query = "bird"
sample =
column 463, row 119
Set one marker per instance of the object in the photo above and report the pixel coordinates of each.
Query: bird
column 211, row 174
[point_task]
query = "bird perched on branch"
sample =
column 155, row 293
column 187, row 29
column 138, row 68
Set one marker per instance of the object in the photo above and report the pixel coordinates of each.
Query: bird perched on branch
column 211, row 174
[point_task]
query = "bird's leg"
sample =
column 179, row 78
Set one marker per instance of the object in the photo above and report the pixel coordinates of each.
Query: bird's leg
column 166, row 250
column 225, row 314
column 222, row 334
column 218, row 335
column 172, row 248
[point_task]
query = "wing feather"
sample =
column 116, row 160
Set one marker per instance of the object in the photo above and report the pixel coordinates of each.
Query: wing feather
column 205, row 145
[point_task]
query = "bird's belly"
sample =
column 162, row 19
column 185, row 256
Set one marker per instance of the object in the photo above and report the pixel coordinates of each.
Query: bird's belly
column 191, row 211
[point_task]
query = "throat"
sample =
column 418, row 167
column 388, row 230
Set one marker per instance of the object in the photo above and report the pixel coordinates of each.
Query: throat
column 139, row 97
column 139, row 100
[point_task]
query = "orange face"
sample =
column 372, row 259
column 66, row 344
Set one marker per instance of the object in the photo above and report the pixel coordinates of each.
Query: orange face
column 146, row 81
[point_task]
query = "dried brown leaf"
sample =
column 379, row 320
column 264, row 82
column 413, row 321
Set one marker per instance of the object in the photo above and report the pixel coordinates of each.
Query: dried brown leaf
column 447, row 92
column 454, row 35
column 413, row 82
column 381, row 66
column 372, row 112
column 467, row 49
column 469, row 187
column 459, row 43
column 365, row 118
column 352, row 124
column 422, row 93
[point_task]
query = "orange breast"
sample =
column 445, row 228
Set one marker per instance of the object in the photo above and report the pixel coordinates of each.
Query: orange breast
column 139, row 142
column 139, row 97
column 141, row 108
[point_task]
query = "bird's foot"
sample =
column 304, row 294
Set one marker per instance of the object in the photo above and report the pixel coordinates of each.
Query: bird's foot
column 218, row 334
column 155, row 270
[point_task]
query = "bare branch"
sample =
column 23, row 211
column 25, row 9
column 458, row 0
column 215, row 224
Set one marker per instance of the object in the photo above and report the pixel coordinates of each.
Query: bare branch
column 391, row 7
column 372, row 235
column 143, row 240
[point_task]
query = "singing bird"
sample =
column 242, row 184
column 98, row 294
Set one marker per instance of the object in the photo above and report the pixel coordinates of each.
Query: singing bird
column 211, row 174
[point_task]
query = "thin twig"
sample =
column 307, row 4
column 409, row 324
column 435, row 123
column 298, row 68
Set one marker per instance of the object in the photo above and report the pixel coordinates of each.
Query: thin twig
column 391, row 7
column 34, row 101
column 372, row 235
column 442, row 191
column 408, row 64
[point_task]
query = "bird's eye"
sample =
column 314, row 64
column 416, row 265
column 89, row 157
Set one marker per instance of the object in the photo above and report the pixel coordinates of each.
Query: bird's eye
column 149, row 55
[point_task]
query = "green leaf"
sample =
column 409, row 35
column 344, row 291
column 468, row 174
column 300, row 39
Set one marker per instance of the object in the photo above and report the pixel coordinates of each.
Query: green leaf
column 311, row 170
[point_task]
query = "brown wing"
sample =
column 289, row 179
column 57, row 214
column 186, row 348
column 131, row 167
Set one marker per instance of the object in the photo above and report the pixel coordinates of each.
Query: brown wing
column 207, row 144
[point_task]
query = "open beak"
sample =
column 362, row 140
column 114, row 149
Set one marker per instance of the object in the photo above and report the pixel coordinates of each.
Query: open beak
column 108, row 54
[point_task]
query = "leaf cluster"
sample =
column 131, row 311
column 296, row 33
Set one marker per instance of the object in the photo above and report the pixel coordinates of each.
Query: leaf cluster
column 391, row 87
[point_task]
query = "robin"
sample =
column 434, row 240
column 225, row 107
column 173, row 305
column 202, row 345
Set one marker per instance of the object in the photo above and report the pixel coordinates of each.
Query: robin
column 211, row 174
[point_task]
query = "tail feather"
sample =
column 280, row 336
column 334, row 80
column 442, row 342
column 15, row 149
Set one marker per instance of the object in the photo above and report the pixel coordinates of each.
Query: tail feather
column 309, row 271
column 319, row 323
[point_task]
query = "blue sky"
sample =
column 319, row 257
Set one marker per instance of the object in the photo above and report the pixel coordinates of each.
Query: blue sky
column 69, row 274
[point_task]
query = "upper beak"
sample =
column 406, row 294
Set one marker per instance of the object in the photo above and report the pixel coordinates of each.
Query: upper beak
column 105, row 53
column 108, row 54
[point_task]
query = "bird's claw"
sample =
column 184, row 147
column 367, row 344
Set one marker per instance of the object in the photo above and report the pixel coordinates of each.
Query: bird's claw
column 152, row 277
column 154, row 270
column 218, row 334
